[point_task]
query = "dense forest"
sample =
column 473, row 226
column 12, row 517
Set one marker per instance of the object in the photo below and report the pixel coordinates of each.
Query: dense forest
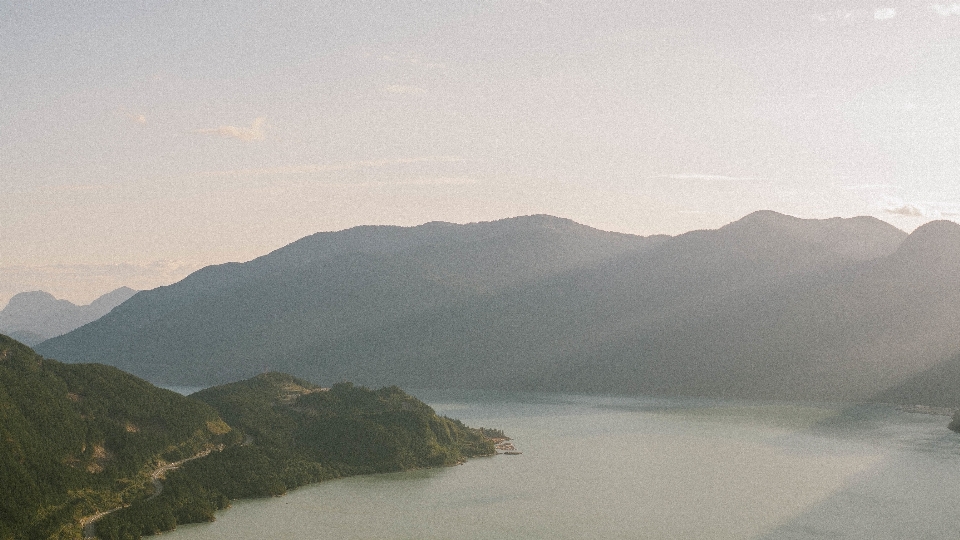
column 296, row 433
column 80, row 439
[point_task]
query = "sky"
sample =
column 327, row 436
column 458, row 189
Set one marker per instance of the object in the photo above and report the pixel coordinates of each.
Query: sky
column 143, row 140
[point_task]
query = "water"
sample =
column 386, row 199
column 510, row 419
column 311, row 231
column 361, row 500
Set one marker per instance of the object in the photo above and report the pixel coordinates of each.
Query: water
column 182, row 390
column 597, row 467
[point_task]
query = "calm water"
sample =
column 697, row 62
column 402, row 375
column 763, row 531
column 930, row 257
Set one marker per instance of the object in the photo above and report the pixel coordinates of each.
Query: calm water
column 643, row 468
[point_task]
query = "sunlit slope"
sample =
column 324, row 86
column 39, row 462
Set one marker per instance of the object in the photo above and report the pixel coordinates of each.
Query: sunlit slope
column 844, row 333
column 78, row 439
column 295, row 433
column 768, row 306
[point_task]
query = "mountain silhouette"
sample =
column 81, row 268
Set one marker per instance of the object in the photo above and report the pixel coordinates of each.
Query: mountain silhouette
column 767, row 306
column 32, row 317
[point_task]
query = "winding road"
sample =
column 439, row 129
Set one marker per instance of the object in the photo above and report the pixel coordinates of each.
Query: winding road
column 89, row 523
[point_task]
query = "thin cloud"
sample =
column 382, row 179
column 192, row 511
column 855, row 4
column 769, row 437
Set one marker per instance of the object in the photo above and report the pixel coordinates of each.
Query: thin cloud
column 423, row 181
column 927, row 210
column 839, row 15
column 134, row 117
column 908, row 210
column 885, row 103
column 883, row 14
column 867, row 187
column 252, row 133
column 412, row 61
column 71, row 188
column 541, row 3
column 332, row 167
column 946, row 10
column 855, row 16
column 403, row 89
column 705, row 177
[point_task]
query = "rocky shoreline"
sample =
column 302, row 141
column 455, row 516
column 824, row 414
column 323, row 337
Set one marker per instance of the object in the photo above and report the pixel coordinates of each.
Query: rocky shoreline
column 505, row 447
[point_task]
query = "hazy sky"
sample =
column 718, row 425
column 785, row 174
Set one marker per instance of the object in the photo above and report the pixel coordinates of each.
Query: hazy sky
column 141, row 140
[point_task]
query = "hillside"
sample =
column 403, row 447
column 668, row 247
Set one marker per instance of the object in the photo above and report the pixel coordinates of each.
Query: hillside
column 229, row 321
column 296, row 433
column 32, row 317
column 82, row 438
column 843, row 332
column 769, row 306
column 85, row 438
column 937, row 386
column 347, row 427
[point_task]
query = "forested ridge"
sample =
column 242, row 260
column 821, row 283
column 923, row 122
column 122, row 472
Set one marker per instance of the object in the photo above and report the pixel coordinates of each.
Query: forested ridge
column 80, row 438
column 86, row 438
column 295, row 433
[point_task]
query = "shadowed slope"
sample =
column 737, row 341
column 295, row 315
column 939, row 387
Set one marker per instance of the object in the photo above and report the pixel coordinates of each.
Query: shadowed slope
column 768, row 306
column 229, row 321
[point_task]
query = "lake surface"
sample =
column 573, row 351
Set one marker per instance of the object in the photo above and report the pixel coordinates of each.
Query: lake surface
column 595, row 467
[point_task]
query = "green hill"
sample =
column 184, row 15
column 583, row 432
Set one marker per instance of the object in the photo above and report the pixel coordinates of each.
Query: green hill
column 351, row 427
column 296, row 433
column 82, row 438
column 348, row 428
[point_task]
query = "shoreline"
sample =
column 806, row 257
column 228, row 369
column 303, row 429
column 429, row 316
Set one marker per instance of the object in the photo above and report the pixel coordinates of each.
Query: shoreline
column 926, row 409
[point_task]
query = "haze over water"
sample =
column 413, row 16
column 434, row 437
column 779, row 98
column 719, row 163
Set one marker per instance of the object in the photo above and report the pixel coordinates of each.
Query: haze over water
column 596, row 467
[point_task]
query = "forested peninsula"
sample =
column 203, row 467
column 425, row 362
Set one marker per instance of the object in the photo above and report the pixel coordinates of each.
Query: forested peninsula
column 89, row 445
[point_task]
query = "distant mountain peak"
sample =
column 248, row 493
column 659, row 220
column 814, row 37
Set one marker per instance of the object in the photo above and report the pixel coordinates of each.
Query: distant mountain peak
column 532, row 220
column 858, row 238
column 938, row 239
column 34, row 300
column 765, row 216
column 770, row 218
column 766, row 221
column 543, row 219
column 34, row 294
column 939, row 228
column 37, row 315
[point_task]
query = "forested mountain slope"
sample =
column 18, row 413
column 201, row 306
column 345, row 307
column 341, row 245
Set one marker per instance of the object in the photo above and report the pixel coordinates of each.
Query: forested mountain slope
column 79, row 438
column 296, row 433
column 768, row 306
column 83, row 439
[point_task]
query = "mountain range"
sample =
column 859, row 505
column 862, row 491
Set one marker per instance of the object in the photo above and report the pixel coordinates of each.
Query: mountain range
column 32, row 317
column 769, row 306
